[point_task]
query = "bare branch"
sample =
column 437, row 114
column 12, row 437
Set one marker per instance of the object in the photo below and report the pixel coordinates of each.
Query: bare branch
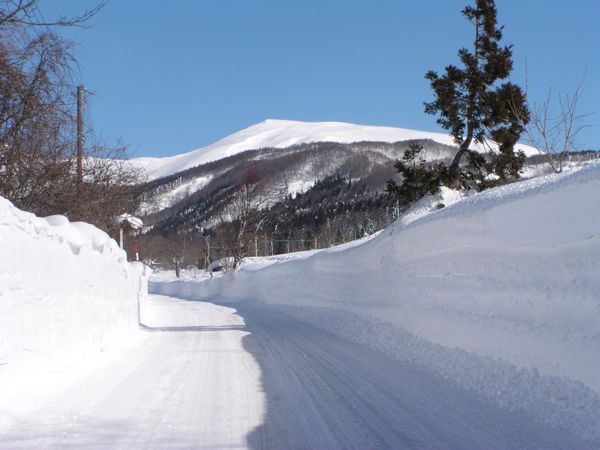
column 554, row 133
column 23, row 13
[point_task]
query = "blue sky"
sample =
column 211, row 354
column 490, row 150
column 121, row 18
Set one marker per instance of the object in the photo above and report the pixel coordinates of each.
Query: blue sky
column 172, row 76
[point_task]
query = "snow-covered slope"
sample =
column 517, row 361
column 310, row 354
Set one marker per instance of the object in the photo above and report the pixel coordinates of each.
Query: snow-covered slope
column 170, row 197
column 285, row 133
column 498, row 292
column 67, row 296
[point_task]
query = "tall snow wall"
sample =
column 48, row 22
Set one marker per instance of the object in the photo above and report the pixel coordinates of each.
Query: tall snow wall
column 67, row 294
column 499, row 292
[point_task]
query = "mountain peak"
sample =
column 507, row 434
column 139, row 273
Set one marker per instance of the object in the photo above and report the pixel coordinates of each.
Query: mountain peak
column 279, row 133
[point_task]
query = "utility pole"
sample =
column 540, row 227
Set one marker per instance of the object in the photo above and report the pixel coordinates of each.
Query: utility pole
column 80, row 90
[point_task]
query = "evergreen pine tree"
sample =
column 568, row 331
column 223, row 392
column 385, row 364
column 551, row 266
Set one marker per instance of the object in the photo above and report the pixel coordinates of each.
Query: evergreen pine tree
column 417, row 178
column 474, row 107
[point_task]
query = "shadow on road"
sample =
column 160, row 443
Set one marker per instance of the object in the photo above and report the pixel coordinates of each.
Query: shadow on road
column 322, row 391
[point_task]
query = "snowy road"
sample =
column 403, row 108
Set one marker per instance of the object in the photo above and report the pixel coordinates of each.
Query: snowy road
column 189, row 384
column 210, row 376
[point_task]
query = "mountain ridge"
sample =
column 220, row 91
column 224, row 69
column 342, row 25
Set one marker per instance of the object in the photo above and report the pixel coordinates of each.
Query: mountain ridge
column 277, row 133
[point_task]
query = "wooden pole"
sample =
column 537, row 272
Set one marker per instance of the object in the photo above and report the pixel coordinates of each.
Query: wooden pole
column 80, row 90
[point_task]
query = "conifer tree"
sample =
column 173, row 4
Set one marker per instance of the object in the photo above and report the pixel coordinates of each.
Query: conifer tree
column 417, row 178
column 474, row 106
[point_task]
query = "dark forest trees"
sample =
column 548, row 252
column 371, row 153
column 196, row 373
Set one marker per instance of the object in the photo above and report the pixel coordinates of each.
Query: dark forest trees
column 472, row 105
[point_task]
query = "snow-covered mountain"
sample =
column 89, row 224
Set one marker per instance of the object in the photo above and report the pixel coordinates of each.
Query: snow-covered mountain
column 285, row 133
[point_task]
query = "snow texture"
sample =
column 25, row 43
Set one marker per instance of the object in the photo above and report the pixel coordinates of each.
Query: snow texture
column 285, row 133
column 135, row 223
column 167, row 199
column 210, row 376
column 300, row 186
column 188, row 384
column 68, row 296
column 498, row 292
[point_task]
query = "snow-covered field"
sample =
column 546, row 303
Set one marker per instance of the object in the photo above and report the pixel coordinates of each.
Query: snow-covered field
column 498, row 292
column 68, row 299
column 285, row 133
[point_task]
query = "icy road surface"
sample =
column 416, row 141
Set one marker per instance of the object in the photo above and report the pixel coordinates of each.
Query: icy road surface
column 213, row 377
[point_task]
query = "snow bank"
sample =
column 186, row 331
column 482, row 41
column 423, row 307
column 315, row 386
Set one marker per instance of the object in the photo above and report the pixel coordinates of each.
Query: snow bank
column 67, row 294
column 499, row 292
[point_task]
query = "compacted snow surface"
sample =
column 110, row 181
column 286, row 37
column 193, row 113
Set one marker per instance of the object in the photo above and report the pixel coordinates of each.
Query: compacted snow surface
column 210, row 376
column 471, row 327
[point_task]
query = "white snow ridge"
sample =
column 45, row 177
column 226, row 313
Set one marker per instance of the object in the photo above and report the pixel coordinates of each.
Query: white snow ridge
column 285, row 133
column 68, row 297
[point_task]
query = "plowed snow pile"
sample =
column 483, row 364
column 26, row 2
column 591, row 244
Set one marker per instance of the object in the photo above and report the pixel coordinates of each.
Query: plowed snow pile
column 67, row 295
column 499, row 292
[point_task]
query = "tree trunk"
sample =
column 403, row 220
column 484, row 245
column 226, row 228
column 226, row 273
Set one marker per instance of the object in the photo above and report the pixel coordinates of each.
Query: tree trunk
column 461, row 151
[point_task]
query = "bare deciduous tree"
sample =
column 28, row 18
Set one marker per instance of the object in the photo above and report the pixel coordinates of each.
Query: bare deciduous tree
column 110, row 185
column 37, row 125
column 555, row 124
column 35, row 118
column 241, row 219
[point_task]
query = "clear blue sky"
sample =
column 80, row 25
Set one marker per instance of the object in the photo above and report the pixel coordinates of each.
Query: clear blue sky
column 172, row 76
